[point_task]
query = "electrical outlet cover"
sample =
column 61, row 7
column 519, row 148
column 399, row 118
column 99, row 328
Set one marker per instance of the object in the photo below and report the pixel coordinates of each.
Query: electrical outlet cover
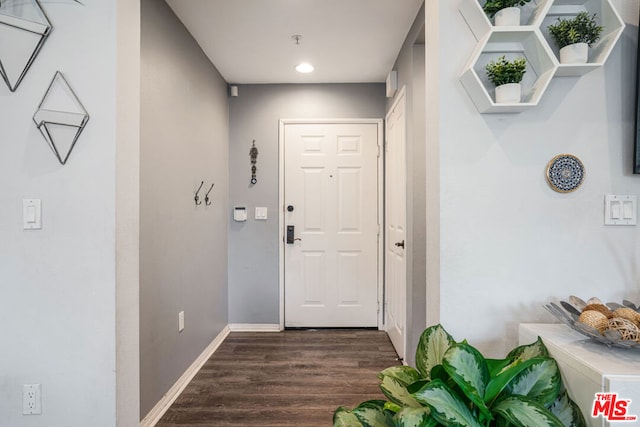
column 31, row 399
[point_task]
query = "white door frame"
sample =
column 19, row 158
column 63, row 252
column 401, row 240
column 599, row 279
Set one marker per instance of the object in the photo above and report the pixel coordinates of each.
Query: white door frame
column 380, row 124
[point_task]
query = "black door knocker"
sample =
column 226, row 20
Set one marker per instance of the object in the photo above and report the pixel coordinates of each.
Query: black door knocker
column 254, row 158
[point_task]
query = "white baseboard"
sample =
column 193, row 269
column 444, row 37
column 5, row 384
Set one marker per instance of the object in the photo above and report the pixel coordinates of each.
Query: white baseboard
column 254, row 327
column 170, row 396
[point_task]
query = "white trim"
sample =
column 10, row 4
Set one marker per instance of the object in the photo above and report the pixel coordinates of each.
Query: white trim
column 254, row 327
column 380, row 123
column 381, row 223
column 170, row 396
column 281, row 125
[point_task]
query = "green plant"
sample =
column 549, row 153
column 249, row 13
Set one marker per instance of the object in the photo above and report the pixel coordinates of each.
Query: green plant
column 453, row 385
column 581, row 29
column 502, row 71
column 493, row 6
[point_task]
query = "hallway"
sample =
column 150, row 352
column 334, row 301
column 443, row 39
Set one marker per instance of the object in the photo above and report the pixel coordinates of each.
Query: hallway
column 291, row 378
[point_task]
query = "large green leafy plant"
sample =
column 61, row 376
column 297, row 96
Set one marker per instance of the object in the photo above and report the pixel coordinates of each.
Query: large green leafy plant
column 493, row 6
column 453, row 385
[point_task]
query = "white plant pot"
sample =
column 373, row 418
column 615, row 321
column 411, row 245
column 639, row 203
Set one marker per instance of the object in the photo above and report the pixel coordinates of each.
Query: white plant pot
column 577, row 53
column 509, row 16
column 509, row 93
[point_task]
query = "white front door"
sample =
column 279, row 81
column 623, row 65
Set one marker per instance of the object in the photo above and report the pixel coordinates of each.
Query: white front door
column 396, row 219
column 331, row 201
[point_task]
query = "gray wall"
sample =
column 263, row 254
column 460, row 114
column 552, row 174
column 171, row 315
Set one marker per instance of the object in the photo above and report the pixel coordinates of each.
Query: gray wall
column 183, row 248
column 410, row 66
column 253, row 245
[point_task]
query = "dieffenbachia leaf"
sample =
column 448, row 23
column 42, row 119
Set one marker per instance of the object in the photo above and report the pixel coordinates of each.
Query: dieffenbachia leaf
column 397, row 392
column 415, row 417
column 406, row 375
column 371, row 414
column 520, row 411
column 434, row 342
column 468, row 368
column 343, row 417
column 540, row 381
column 502, row 371
column 499, row 381
column 446, row 407
column 497, row 365
column 529, row 351
column 567, row 411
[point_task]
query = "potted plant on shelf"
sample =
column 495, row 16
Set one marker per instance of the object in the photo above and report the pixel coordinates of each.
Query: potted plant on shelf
column 575, row 36
column 504, row 12
column 453, row 384
column 506, row 76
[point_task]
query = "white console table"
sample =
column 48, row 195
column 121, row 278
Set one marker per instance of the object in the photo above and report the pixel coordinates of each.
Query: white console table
column 588, row 367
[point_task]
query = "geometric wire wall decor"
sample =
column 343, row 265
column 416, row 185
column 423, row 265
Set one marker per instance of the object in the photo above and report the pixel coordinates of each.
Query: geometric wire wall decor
column 24, row 27
column 61, row 117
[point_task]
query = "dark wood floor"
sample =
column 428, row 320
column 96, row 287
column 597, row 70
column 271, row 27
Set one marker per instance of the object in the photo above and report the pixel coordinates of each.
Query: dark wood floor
column 292, row 378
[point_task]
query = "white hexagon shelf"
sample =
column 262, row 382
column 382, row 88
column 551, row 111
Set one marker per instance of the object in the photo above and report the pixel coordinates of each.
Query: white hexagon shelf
column 532, row 40
column 531, row 14
column 598, row 53
column 512, row 42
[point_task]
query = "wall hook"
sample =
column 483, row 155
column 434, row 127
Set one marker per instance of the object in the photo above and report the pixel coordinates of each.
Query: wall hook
column 196, row 198
column 206, row 197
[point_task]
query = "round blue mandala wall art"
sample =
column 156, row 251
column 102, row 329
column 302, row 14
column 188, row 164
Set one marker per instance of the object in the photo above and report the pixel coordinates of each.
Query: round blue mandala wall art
column 565, row 173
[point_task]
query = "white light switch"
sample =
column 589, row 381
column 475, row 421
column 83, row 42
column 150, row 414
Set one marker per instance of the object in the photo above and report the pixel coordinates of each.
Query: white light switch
column 32, row 214
column 261, row 213
column 620, row 210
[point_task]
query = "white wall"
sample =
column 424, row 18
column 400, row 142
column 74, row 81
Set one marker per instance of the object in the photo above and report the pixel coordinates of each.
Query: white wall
column 509, row 243
column 58, row 285
column 183, row 247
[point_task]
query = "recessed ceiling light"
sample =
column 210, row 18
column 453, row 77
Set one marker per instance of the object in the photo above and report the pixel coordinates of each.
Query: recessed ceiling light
column 304, row 67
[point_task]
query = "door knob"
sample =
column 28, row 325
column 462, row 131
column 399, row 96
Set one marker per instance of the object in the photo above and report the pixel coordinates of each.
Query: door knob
column 400, row 244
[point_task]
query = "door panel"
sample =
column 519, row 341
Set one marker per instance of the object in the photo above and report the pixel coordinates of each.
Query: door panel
column 331, row 180
column 395, row 242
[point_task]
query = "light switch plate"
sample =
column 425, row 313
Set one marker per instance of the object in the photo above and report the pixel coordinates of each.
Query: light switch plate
column 620, row 210
column 32, row 214
column 261, row 213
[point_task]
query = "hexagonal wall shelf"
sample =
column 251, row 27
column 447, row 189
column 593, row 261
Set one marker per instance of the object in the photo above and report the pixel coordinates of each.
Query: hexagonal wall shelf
column 530, row 15
column 599, row 52
column 512, row 42
column 531, row 40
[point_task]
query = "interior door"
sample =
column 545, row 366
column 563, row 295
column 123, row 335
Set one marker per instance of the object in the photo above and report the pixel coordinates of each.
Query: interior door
column 331, row 224
column 395, row 228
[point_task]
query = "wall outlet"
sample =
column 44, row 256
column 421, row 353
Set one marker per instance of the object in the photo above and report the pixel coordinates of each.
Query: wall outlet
column 31, row 399
column 181, row 321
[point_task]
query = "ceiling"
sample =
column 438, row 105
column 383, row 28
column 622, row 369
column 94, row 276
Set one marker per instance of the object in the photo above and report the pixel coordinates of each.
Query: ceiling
column 347, row 41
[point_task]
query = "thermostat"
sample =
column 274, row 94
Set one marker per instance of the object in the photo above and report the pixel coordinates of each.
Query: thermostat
column 240, row 213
